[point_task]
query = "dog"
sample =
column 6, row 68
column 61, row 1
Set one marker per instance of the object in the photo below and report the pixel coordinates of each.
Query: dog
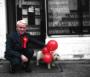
column 40, row 55
column 56, row 56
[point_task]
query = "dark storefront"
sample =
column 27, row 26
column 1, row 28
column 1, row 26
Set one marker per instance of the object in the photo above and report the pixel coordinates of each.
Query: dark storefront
column 50, row 17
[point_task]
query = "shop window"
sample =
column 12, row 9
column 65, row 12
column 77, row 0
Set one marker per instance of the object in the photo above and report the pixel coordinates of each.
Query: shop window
column 68, row 17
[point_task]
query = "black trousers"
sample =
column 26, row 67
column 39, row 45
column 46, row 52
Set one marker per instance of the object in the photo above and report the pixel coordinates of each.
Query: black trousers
column 14, row 60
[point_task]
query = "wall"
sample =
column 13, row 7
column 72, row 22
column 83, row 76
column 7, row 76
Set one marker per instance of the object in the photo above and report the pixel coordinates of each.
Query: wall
column 72, row 47
column 2, row 27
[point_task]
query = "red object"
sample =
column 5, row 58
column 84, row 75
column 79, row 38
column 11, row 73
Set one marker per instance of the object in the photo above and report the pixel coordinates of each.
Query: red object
column 47, row 58
column 52, row 45
column 45, row 50
column 25, row 40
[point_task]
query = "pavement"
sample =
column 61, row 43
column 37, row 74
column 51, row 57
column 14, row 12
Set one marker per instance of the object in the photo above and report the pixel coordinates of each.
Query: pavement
column 78, row 68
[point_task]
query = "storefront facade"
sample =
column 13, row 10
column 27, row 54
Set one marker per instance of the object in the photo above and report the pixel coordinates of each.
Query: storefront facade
column 66, row 21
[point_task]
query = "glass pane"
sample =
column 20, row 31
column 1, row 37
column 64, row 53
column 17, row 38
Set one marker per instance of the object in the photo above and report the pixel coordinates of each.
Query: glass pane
column 62, row 17
column 86, row 16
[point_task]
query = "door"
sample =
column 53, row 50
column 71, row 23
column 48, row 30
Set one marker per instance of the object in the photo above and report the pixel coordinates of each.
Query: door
column 33, row 12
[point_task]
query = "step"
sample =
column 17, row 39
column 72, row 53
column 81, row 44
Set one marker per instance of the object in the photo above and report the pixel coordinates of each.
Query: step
column 4, row 66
